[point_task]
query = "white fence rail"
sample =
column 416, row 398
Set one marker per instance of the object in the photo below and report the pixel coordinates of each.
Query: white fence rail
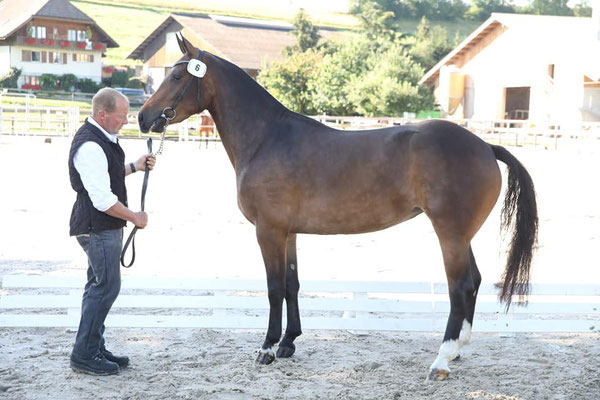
column 42, row 121
column 356, row 305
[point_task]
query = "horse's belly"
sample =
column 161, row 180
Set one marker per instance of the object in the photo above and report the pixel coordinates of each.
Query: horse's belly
column 347, row 221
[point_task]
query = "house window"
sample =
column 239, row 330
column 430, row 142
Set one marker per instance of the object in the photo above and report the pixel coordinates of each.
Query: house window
column 31, row 80
column 56, row 57
column 28, row 55
column 81, row 36
column 54, row 33
column 38, row 32
column 72, row 35
column 79, row 57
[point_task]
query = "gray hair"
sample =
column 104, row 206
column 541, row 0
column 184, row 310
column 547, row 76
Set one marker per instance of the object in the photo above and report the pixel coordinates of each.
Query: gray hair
column 106, row 99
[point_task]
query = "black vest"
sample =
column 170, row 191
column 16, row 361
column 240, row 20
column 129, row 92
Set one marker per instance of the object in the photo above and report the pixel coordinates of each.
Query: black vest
column 84, row 217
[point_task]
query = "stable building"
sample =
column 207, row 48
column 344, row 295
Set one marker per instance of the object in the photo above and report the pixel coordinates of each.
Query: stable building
column 529, row 67
column 245, row 42
column 50, row 37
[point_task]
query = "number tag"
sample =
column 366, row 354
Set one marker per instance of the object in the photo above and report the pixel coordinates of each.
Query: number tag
column 196, row 68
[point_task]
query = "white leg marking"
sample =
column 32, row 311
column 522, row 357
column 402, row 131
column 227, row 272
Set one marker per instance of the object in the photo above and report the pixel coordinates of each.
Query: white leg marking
column 465, row 334
column 448, row 351
column 268, row 351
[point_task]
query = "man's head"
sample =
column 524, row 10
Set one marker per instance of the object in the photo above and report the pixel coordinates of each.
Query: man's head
column 109, row 109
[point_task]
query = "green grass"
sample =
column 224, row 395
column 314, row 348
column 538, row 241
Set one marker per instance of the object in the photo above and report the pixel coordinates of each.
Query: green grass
column 14, row 100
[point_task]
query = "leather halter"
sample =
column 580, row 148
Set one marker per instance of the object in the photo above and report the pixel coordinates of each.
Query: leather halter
column 169, row 113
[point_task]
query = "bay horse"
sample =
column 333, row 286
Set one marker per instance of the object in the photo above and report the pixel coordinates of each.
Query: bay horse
column 295, row 175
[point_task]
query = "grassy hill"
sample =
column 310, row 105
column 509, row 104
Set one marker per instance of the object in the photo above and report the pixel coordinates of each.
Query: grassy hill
column 129, row 22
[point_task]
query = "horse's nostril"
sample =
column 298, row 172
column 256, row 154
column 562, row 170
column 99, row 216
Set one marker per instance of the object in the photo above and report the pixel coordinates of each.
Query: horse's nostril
column 140, row 118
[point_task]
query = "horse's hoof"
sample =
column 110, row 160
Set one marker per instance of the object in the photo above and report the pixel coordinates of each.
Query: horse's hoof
column 265, row 358
column 285, row 352
column 438, row 375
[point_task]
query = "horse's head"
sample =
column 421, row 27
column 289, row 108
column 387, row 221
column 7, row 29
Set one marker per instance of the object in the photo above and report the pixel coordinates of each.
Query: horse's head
column 182, row 93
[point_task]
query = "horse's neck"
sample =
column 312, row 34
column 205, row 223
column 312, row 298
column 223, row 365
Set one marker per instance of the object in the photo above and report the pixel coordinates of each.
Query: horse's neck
column 244, row 114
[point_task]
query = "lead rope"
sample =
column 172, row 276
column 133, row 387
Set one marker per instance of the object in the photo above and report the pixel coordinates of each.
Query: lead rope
column 131, row 238
column 168, row 115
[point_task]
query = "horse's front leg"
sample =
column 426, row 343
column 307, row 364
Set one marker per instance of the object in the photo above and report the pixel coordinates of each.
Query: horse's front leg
column 272, row 243
column 292, row 286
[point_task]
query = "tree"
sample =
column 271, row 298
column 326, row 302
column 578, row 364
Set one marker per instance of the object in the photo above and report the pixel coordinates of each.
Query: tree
column 549, row 7
column 307, row 35
column 11, row 79
column 481, row 10
column 431, row 44
column 288, row 80
column 390, row 86
column 376, row 22
column 331, row 85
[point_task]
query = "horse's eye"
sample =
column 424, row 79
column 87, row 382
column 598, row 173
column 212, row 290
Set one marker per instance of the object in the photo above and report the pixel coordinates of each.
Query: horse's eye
column 176, row 77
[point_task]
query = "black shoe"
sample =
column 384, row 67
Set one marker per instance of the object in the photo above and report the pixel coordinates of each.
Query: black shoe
column 97, row 365
column 123, row 361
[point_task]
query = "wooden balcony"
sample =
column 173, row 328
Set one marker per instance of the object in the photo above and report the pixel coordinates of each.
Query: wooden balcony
column 59, row 44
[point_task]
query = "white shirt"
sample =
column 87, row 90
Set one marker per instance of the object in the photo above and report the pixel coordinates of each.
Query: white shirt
column 92, row 165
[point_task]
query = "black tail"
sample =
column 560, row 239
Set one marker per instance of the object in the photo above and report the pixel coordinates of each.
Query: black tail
column 519, row 215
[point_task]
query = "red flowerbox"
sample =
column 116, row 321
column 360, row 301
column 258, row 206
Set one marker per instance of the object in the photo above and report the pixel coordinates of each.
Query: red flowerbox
column 81, row 45
column 31, row 87
column 47, row 42
column 30, row 40
column 99, row 46
column 64, row 43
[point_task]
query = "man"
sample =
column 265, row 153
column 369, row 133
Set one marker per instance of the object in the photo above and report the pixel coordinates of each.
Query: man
column 97, row 171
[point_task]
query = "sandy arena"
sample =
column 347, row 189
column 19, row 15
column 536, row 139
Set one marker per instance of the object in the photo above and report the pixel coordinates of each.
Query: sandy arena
column 195, row 230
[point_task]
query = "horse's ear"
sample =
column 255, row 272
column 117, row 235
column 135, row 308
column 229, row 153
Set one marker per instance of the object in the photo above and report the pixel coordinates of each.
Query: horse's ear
column 180, row 42
column 188, row 46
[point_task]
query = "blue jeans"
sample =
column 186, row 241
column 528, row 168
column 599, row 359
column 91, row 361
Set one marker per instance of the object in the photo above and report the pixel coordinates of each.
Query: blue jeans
column 103, row 285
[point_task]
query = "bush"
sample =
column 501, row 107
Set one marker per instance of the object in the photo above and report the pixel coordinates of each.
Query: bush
column 49, row 81
column 135, row 83
column 87, row 85
column 119, row 79
column 10, row 80
column 68, row 82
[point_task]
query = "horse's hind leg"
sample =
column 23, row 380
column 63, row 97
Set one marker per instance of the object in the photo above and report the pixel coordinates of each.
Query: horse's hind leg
column 463, row 282
column 292, row 286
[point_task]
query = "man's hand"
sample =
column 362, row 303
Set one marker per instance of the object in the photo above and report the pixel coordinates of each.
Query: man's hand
column 146, row 159
column 140, row 219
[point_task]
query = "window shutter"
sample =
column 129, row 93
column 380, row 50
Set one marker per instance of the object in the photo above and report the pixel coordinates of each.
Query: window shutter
column 44, row 57
column 64, row 57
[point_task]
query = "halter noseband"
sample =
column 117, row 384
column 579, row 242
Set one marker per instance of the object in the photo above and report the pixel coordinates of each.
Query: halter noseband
column 169, row 113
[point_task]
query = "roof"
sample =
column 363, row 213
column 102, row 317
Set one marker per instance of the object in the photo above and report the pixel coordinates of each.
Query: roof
column 16, row 13
column 243, row 41
column 562, row 32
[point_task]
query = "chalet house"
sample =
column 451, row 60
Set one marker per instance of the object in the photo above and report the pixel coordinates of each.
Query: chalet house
column 50, row 37
column 540, row 68
column 243, row 41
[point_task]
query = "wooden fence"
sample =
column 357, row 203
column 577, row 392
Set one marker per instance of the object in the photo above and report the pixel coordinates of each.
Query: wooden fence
column 54, row 301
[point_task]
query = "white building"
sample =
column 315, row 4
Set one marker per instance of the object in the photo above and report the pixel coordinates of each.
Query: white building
column 538, row 68
column 50, row 37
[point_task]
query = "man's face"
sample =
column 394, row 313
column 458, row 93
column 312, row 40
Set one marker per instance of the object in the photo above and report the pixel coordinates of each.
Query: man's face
column 114, row 121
